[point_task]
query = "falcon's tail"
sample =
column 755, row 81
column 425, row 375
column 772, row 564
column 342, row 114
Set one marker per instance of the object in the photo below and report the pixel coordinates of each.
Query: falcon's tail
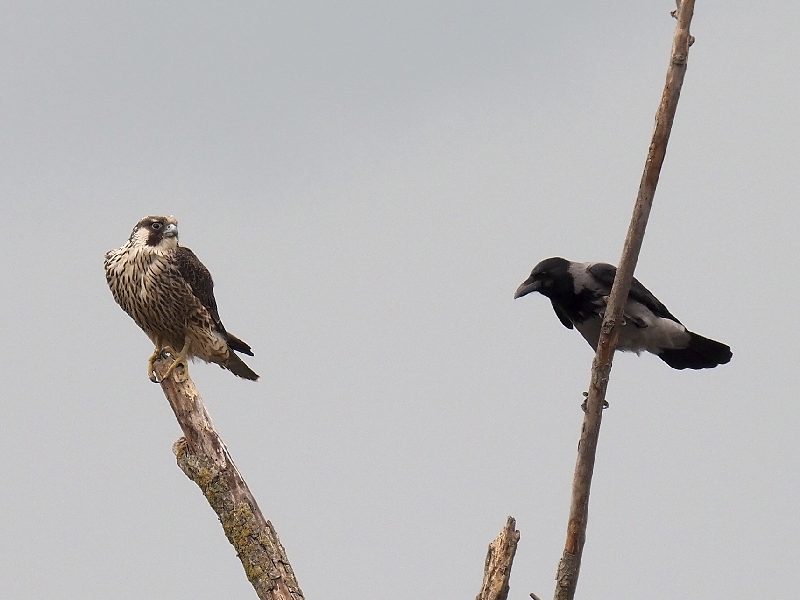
column 236, row 365
column 701, row 353
column 236, row 344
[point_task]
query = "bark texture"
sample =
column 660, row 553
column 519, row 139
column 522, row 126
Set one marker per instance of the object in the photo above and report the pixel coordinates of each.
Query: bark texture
column 203, row 457
column 499, row 558
column 570, row 563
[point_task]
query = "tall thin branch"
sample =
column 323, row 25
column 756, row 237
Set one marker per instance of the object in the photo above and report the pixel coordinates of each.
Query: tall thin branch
column 203, row 457
column 569, row 566
column 499, row 558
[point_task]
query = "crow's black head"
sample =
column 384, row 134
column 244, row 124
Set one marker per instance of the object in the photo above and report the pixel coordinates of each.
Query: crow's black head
column 548, row 277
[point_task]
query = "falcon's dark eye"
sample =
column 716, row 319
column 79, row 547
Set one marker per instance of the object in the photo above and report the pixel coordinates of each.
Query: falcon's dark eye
column 156, row 226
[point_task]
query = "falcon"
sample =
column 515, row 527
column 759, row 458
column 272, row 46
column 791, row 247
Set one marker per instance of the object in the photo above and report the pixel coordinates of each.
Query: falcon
column 579, row 294
column 165, row 288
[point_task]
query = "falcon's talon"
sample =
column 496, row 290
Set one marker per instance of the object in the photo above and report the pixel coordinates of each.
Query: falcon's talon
column 181, row 359
column 158, row 353
column 180, row 376
column 151, row 369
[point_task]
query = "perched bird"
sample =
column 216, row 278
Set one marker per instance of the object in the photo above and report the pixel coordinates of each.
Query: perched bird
column 579, row 293
column 170, row 294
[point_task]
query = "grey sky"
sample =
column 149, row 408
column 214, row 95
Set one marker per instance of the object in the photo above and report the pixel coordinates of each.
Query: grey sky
column 369, row 182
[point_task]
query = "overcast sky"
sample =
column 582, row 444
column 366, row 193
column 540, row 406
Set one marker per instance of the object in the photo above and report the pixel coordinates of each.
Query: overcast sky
column 369, row 182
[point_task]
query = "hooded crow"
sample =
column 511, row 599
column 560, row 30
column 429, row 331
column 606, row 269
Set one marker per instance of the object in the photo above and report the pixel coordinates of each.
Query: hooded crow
column 579, row 293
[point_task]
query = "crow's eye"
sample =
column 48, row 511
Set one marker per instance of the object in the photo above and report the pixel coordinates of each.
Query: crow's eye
column 156, row 226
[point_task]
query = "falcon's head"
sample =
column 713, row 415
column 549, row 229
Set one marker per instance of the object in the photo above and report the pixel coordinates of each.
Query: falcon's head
column 156, row 233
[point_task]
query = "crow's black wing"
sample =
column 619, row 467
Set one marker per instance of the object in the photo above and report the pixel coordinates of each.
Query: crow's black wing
column 605, row 274
column 562, row 315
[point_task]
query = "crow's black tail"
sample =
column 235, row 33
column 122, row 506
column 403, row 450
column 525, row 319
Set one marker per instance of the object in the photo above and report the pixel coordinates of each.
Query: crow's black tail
column 701, row 353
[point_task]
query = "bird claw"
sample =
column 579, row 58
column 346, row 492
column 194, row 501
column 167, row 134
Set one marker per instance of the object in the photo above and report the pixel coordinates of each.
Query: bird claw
column 181, row 374
column 162, row 352
column 151, row 369
column 586, row 399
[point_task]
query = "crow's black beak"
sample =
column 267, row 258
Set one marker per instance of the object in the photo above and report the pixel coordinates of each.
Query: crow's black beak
column 527, row 287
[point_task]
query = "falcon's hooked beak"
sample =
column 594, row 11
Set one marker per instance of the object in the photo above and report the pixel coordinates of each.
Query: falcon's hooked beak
column 170, row 230
column 528, row 286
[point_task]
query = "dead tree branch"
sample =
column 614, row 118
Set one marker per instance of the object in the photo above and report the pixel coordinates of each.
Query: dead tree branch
column 499, row 558
column 569, row 566
column 203, row 457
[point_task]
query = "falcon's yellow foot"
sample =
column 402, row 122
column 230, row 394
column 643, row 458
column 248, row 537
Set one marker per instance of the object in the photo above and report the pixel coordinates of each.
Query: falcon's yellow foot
column 181, row 360
column 159, row 352
column 151, row 369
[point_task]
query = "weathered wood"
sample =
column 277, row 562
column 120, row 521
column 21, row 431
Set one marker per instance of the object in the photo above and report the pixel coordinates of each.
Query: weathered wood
column 203, row 457
column 499, row 558
column 570, row 563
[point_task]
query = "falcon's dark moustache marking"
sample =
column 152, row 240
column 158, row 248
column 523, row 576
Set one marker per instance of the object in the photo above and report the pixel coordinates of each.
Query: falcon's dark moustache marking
column 155, row 227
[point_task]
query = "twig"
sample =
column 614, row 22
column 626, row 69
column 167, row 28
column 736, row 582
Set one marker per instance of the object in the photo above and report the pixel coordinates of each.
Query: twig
column 569, row 566
column 203, row 457
column 499, row 558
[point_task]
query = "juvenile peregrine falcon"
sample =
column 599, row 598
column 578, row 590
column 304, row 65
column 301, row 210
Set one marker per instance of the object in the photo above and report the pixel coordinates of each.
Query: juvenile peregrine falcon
column 170, row 294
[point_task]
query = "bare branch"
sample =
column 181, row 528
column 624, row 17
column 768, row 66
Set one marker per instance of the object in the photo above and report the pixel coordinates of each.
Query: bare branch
column 499, row 558
column 203, row 457
column 569, row 566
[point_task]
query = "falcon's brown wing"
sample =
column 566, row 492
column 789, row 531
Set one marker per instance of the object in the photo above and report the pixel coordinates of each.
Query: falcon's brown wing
column 199, row 279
